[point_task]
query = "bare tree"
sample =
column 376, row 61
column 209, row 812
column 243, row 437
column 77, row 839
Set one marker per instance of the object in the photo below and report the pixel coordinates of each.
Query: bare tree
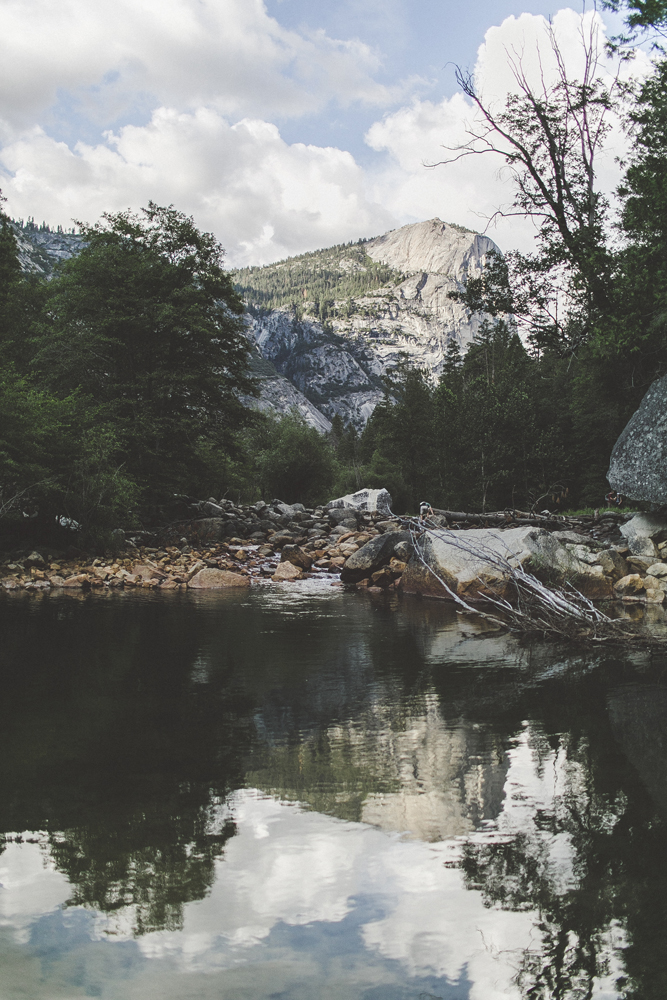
column 549, row 135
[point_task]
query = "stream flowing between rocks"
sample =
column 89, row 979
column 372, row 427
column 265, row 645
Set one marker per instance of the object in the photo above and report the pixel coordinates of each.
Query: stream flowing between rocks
column 299, row 792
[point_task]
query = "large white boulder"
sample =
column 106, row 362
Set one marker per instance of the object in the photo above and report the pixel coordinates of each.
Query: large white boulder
column 365, row 500
column 478, row 562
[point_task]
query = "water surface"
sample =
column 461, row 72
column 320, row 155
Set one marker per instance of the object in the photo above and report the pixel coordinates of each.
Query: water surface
column 299, row 792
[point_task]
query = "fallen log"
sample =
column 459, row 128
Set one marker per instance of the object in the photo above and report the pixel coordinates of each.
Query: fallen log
column 520, row 518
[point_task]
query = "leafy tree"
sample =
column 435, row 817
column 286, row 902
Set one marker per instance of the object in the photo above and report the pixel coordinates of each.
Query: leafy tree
column 145, row 321
column 295, row 462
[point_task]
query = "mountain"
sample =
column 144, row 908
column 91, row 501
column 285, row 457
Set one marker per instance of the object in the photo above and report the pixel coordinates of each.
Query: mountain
column 41, row 248
column 334, row 321
column 326, row 326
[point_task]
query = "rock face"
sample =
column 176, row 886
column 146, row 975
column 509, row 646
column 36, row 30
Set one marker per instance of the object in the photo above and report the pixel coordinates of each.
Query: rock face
column 386, row 298
column 41, row 249
column 472, row 563
column 373, row 555
column 278, row 396
column 638, row 466
column 337, row 360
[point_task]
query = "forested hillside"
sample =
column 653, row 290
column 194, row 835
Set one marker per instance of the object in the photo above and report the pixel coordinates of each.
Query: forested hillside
column 312, row 282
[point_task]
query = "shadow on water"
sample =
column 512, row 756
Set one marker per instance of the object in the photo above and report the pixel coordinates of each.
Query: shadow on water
column 128, row 722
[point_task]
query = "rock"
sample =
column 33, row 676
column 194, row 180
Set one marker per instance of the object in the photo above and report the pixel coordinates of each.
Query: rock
column 658, row 569
column 11, row 584
column 217, row 579
column 364, row 500
column 640, row 564
column 77, row 581
column 654, row 596
column 638, row 465
column 397, row 566
column 213, row 529
column 383, row 526
column 412, row 314
column 35, row 559
column 337, row 515
column 287, row 571
column 472, row 563
column 570, row 537
column 296, row 555
column 404, row 551
column 643, row 533
column 372, row 555
column 613, row 563
column 148, row 571
column 631, row 584
column 382, row 577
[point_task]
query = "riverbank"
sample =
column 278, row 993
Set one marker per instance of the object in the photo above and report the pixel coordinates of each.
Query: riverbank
column 236, row 546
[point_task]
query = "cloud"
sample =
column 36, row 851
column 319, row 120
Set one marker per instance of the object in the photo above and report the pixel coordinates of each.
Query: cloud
column 472, row 189
column 211, row 75
column 265, row 199
column 229, row 54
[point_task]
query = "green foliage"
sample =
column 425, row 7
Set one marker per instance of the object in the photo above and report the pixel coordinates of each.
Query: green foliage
column 145, row 321
column 294, row 462
column 119, row 377
column 318, row 279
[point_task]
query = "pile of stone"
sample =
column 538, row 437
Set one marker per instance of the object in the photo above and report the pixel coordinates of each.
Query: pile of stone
column 233, row 545
column 229, row 545
column 478, row 563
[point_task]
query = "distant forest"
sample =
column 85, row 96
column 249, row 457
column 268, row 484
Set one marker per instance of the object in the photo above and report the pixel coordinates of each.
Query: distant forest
column 316, row 280
column 121, row 376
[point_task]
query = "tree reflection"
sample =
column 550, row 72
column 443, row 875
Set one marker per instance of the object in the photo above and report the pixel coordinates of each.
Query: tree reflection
column 125, row 763
column 592, row 864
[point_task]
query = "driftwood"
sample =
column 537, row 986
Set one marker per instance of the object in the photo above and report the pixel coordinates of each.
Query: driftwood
column 537, row 611
column 519, row 518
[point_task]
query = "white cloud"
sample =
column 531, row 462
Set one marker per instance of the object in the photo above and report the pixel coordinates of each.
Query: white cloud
column 225, row 53
column 206, row 65
column 264, row 199
column 472, row 189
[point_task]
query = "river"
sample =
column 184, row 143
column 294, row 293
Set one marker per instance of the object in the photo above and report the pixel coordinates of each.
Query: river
column 298, row 792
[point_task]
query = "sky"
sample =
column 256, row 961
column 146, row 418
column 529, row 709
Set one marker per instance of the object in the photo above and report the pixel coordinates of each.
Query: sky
column 280, row 125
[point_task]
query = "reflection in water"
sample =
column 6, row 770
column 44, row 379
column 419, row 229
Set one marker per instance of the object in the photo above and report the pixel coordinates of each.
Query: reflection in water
column 255, row 795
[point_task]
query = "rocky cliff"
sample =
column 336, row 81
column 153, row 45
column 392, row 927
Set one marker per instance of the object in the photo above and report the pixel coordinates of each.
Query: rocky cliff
column 41, row 248
column 329, row 324
column 334, row 321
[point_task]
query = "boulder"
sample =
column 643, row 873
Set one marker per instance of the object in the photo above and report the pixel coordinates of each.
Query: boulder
column 79, row 580
column 287, row 571
column 474, row 563
column 212, row 529
column 35, row 559
column 638, row 465
column 217, row 579
column 340, row 515
column 365, row 500
column 630, row 584
column 404, row 551
column 372, row 555
column 643, row 533
column 296, row 555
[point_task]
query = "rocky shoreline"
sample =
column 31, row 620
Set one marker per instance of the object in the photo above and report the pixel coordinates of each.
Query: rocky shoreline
column 227, row 545
column 232, row 546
